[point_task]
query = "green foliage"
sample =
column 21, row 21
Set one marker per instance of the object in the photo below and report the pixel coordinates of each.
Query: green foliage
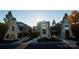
column 3, row 29
column 75, row 30
column 9, row 17
column 74, row 21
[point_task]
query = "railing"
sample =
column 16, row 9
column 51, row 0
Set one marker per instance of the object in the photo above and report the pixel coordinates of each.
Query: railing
column 26, row 38
column 69, row 43
column 25, row 42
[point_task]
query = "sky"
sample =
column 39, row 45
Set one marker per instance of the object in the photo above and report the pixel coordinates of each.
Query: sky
column 32, row 17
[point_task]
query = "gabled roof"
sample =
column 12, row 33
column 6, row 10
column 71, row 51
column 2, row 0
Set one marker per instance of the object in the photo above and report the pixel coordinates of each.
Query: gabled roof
column 54, row 22
column 23, row 27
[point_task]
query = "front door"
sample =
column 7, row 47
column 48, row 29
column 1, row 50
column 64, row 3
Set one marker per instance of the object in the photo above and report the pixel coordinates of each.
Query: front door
column 67, row 33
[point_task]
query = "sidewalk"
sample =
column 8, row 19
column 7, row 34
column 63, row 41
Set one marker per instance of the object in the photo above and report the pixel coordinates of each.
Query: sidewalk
column 23, row 45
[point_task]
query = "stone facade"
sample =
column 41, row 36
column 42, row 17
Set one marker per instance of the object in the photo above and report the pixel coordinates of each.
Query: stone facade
column 13, row 29
column 16, row 29
column 44, row 29
column 66, row 28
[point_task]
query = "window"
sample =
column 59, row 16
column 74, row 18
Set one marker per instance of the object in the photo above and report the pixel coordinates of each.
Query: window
column 66, row 25
column 7, row 36
column 67, row 33
column 21, row 24
column 13, row 27
column 44, row 30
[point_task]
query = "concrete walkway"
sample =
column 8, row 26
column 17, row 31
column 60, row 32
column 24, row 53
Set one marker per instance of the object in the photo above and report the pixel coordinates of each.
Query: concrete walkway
column 24, row 43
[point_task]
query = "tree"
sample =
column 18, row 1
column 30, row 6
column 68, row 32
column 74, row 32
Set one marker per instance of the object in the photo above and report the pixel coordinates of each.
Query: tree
column 74, row 22
column 3, row 29
column 9, row 17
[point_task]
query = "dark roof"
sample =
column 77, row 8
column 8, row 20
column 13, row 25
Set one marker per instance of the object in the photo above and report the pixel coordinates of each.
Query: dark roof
column 23, row 27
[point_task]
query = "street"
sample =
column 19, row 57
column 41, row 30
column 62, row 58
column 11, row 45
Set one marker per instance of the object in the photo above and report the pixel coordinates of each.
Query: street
column 51, row 45
column 34, row 44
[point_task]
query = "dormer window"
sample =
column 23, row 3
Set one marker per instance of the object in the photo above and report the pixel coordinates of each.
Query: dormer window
column 21, row 25
column 66, row 25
